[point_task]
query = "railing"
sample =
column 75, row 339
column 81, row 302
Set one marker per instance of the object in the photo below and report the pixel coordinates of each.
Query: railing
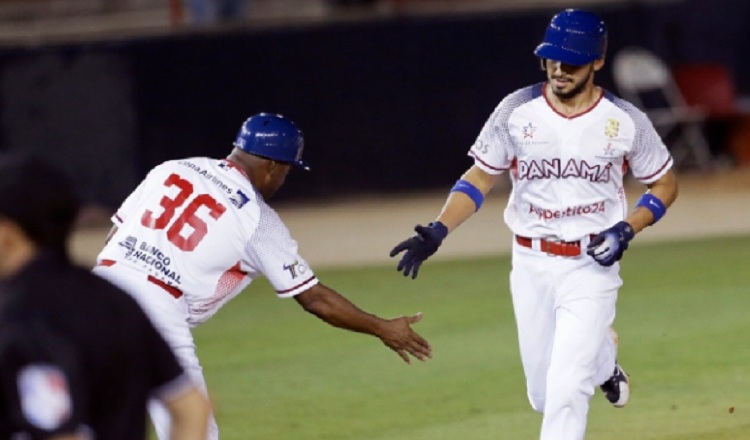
column 34, row 9
column 35, row 21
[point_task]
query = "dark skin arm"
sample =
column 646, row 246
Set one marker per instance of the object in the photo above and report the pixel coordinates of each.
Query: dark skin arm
column 333, row 308
column 336, row 310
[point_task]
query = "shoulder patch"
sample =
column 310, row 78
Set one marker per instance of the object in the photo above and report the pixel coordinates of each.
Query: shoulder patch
column 44, row 395
column 239, row 199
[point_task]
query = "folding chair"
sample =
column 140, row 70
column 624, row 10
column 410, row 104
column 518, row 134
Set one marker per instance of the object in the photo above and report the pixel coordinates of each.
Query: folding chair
column 711, row 86
column 645, row 80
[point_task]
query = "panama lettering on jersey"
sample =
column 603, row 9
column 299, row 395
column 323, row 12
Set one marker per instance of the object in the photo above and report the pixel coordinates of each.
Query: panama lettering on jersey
column 199, row 233
column 546, row 169
column 567, row 169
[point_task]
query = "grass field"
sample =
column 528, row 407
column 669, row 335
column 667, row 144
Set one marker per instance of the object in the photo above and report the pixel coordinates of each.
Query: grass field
column 277, row 373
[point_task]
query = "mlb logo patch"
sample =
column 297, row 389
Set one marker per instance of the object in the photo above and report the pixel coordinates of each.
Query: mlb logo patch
column 44, row 394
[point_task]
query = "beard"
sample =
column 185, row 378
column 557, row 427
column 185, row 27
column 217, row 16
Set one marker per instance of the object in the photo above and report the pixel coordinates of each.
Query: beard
column 576, row 90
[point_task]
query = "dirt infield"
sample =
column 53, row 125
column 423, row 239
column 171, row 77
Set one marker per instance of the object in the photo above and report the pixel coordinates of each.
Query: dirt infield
column 349, row 233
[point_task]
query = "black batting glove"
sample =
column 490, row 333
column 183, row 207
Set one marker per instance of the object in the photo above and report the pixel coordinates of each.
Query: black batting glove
column 419, row 247
column 609, row 245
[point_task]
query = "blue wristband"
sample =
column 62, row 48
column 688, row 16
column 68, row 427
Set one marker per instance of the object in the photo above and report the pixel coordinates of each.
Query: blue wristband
column 653, row 204
column 470, row 190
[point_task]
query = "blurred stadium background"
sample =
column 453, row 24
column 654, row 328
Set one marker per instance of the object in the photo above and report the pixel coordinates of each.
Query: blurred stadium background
column 390, row 94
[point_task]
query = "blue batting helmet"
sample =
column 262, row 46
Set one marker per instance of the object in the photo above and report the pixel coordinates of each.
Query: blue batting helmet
column 273, row 137
column 574, row 37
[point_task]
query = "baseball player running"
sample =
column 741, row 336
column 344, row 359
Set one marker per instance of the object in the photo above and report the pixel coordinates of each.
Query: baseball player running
column 197, row 231
column 566, row 144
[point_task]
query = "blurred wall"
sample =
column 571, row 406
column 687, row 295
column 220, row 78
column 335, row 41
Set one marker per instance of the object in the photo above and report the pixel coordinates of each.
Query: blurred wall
column 76, row 107
column 389, row 104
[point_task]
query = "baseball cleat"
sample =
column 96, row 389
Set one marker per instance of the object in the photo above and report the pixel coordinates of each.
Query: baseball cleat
column 617, row 388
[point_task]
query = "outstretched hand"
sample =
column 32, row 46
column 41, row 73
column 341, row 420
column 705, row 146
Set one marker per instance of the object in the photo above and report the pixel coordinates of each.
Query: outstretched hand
column 608, row 247
column 419, row 247
column 398, row 335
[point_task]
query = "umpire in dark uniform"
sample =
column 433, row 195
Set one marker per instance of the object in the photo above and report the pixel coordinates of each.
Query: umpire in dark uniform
column 78, row 357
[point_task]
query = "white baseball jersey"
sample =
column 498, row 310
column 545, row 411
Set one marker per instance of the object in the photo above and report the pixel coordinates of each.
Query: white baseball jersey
column 199, row 226
column 567, row 172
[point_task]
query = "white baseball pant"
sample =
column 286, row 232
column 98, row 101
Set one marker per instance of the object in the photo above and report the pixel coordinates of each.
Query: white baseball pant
column 564, row 308
column 169, row 316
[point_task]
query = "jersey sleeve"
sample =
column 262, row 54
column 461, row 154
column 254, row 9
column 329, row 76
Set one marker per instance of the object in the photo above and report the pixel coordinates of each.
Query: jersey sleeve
column 493, row 150
column 274, row 252
column 649, row 159
column 40, row 382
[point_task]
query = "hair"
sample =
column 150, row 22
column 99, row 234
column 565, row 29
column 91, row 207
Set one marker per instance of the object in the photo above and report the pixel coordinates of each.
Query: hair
column 39, row 198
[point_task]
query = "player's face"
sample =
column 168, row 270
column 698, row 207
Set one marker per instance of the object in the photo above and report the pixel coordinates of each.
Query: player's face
column 568, row 81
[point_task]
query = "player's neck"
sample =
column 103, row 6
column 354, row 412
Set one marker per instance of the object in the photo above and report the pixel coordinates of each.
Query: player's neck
column 240, row 162
column 575, row 105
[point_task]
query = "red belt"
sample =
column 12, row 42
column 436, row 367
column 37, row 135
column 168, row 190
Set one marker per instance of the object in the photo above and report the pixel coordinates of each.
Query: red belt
column 175, row 292
column 552, row 247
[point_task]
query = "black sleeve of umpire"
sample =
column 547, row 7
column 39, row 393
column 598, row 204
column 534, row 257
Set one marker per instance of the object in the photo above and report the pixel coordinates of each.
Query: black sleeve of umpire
column 168, row 378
